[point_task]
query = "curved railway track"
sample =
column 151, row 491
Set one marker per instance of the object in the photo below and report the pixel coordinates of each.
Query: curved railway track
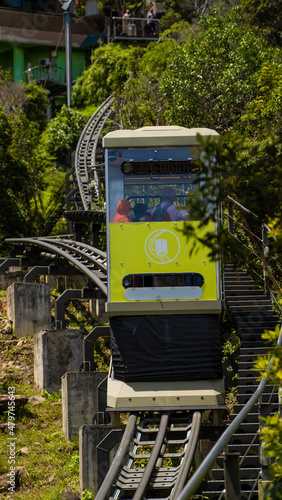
column 87, row 259
column 89, row 166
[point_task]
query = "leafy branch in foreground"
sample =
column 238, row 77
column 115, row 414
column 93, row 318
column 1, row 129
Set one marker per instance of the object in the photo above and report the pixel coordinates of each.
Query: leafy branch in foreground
column 271, row 432
column 249, row 172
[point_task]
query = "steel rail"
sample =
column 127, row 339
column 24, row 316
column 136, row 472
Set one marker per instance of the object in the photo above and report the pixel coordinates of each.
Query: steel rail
column 75, row 247
column 141, row 489
column 86, row 148
column 82, row 245
column 201, row 472
column 189, row 455
column 90, row 274
column 119, row 458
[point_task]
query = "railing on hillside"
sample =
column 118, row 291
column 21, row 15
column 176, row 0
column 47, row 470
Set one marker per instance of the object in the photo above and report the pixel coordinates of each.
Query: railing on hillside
column 252, row 233
column 119, row 28
column 232, row 485
column 50, row 72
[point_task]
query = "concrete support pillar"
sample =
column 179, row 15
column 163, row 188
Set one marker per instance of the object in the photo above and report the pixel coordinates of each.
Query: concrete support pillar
column 79, row 400
column 18, row 60
column 29, row 307
column 97, row 447
column 55, row 353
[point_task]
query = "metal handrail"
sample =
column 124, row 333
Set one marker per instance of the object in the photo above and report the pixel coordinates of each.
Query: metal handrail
column 247, row 210
column 133, row 27
column 263, row 256
column 201, row 472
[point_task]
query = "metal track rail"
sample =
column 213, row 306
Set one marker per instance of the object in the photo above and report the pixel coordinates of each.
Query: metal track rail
column 87, row 169
column 86, row 252
column 89, row 260
column 156, row 459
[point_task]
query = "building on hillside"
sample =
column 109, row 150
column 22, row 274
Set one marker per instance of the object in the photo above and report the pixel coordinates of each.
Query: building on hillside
column 32, row 42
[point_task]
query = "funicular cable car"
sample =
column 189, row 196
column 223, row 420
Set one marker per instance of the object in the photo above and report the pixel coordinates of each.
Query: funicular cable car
column 164, row 305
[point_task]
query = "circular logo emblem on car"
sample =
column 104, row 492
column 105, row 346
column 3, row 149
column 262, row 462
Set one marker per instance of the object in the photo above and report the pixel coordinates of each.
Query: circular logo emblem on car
column 162, row 246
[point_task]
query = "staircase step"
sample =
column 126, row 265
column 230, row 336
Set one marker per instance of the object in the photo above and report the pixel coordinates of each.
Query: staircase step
column 246, row 365
column 245, row 495
column 251, row 350
column 249, row 306
column 244, row 292
column 245, row 329
column 244, row 438
column 242, row 399
column 248, row 381
column 245, row 473
column 250, row 358
column 218, row 485
column 253, row 313
column 251, row 418
column 250, row 462
column 253, row 344
column 248, row 390
column 248, row 374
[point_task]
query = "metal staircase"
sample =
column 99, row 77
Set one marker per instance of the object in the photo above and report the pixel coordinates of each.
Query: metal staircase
column 253, row 313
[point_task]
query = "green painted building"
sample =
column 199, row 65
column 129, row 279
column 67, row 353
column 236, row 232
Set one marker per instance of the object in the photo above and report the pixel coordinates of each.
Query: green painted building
column 32, row 41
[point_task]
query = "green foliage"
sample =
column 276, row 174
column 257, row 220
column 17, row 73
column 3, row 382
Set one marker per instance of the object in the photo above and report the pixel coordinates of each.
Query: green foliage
column 20, row 127
column 265, row 108
column 251, row 173
column 183, row 10
column 55, row 396
column 220, row 74
column 5, row 76
column 87, row 495
column 169, row 19
column 74, row 464
column 231, row 399
column 80, row 8
column 273, row 370
column 111, row 67
column 13, row 174
column 211, row 79
column 266, row 15
column 140, row 102
column 61, row 136
column 271, row 432
column 36, row 104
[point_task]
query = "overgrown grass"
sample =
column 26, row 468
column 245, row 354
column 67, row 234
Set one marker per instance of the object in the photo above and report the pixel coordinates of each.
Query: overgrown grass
column 41, row 449
column 49, row 465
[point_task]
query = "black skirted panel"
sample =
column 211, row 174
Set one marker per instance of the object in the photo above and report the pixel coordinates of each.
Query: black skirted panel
column 166, row 348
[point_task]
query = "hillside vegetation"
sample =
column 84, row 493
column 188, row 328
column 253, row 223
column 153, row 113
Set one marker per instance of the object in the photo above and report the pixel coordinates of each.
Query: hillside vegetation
column 221, row 70
column 47, row 466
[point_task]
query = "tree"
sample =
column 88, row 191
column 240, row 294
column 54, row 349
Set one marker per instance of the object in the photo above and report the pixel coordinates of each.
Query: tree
column 271, row 432
column 35, row 104
column 12, row 179
column 266, row 15
column 140, row 102
column 60, row 137
column 111, row 66
column 211, row 79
